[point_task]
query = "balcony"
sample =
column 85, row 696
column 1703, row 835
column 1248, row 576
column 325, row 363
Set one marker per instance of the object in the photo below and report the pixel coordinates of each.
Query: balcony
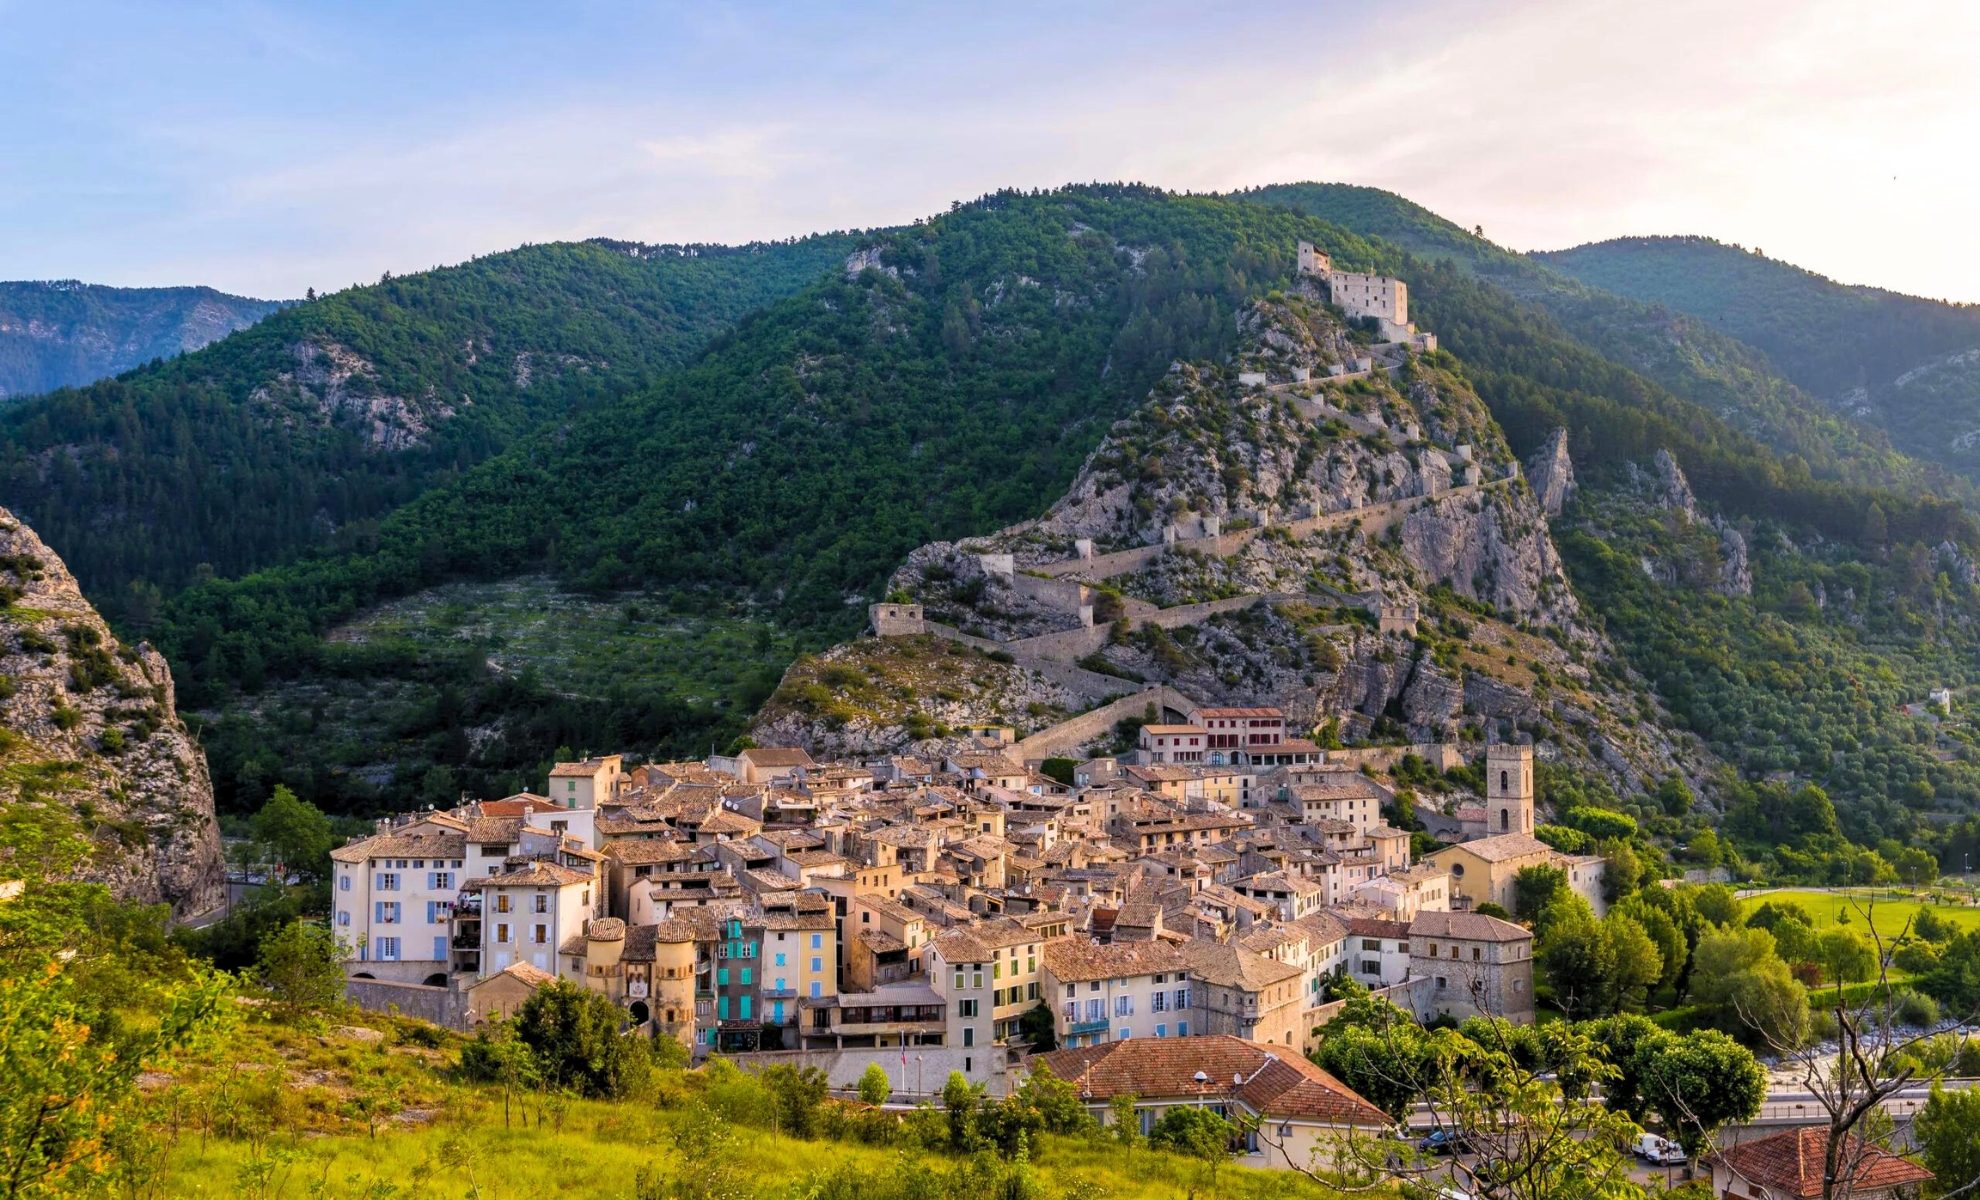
column 777, row 993
column 1080, row 1028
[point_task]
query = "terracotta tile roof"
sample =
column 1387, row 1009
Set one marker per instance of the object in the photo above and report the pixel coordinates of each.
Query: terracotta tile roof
column 1467, row 927
column 489, row 830
column 533, row 976
column 1323, row 928
column 776, row 756
column 577, row 770
column 1791, row 1162
column 1375, row 927
column 1076, row 960
column 1232, row 966
column 540, row 873
column 635, row 852
column 1241, row 712
column 605, row 929
column 1504, row 846
column 439, row 845
column 1277, row 1085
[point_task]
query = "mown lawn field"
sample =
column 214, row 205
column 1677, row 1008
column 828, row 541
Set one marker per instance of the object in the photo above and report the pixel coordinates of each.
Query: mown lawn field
column 1889, row 913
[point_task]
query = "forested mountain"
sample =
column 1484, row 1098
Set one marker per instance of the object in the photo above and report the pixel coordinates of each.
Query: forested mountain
column 1691, row 356
column 301, row 432
column 952, row 382
column 1902, row 364
column 61, row 333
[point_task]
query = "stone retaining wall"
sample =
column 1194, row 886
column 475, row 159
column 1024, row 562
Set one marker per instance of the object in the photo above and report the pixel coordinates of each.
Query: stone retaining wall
column 443, row 1006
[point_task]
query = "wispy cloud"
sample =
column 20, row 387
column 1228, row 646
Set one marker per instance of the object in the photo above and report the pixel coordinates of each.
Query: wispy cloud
column 268, row 149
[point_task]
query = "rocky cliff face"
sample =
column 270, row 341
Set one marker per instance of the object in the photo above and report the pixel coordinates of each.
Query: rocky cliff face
column 89, row 731
column 1551, row 473
column 1363, row 482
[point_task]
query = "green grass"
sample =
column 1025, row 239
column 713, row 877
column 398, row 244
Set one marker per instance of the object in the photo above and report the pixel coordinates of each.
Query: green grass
column 1886, row 910
column 600, row 1149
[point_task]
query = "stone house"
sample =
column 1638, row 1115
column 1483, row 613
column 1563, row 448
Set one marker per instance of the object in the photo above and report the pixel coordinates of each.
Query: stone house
column 1473, row 966
column 1172, row 744
column 530, row 911
column 1244, row 994
column 392, row 901
column 497, row 997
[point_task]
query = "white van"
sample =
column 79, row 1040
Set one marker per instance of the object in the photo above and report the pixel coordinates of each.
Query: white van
column 1659, row 1150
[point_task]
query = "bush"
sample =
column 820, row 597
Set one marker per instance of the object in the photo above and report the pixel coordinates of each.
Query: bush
column 573, row 1035
column 1915, row 1009
column 874, row 1086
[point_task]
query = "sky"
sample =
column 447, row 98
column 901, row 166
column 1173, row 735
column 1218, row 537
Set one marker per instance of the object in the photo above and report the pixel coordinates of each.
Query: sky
column 265, row 148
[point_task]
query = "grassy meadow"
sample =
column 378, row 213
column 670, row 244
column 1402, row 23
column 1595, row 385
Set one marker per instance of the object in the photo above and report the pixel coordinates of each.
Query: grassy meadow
column 1889, row 912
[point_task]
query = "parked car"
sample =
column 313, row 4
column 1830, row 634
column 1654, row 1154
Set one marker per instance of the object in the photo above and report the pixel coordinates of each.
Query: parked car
column 1441, row 1141
column 1659, row 1150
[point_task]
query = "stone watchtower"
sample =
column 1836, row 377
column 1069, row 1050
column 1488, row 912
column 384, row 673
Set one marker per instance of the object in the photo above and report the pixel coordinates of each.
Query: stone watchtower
column 1508, row 790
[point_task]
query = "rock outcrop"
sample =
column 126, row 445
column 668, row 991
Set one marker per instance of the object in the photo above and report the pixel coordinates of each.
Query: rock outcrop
column 1673, row 489
column 90, row 732
column 1551, row 473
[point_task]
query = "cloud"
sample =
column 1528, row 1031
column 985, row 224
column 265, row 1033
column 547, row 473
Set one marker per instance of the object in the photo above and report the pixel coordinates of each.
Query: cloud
column 1550, row 122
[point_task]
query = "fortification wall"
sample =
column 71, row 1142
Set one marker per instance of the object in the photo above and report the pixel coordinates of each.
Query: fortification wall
column 442, row 1006
column 915, row 1075
column 1066, row 595
column 1079, row 730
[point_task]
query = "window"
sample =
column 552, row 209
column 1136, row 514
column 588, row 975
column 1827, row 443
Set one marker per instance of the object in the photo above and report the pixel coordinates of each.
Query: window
column 721, row 977
column 1072, row 989
column 745, row 1008
column 439, row 881
column 721, row 1010
column 501, row 933
column 1440, row 983
column 1123, row 1006
column 542, row 934
column 1123, row 1034
column 817, row 964
column 436, row 912
column 343, row 916
column 385, row 912
column 969, row 1035
column 388, row 949
column 387, row 882
column 1476, row 954
column 1159, row 1002
column 440, row 948
column 501, row 902
column 1096, row 1010
column 1370, row 967
column 1182, row 1028
column 344, row 883
column 817, row 941
column 542, row 903
column 1182, row 999
column 745, row 977
column 780, row 956
column 1374, row 944
column 817, row 989
column 1161, row 1031
column 1519, row 985
column 780, row 984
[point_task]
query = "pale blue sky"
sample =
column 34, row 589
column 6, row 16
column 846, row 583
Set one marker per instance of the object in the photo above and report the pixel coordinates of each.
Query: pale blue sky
column 267, row 147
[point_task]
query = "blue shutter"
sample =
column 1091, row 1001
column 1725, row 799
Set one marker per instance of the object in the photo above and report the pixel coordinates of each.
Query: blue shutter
column 440, row 947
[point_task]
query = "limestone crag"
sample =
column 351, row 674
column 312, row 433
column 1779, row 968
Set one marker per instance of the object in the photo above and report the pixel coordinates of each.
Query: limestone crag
column 93, row 732
column 1550, row 472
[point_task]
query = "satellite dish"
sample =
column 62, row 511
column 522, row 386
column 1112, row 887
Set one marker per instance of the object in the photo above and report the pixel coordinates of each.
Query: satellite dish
column 1201, row 1079
column 1237, row 1079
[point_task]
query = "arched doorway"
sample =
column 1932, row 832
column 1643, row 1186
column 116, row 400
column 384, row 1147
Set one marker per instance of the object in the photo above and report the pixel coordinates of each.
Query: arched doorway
column 640, row 1013
column 437, row 979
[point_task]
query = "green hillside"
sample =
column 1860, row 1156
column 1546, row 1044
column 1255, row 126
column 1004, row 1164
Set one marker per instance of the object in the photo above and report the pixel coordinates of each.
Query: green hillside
column 1693, row 358
column 303, row 431
column 62, row 333
column 1898, row 363
column 778, row 480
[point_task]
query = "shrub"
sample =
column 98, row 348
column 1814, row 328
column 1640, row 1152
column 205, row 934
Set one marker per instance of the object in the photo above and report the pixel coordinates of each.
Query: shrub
column 66, row 717
column 1916, row 1009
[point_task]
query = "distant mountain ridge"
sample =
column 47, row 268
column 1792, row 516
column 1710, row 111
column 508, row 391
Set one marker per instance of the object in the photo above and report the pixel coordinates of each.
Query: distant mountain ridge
column 1904, row 365
column 65, row 333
